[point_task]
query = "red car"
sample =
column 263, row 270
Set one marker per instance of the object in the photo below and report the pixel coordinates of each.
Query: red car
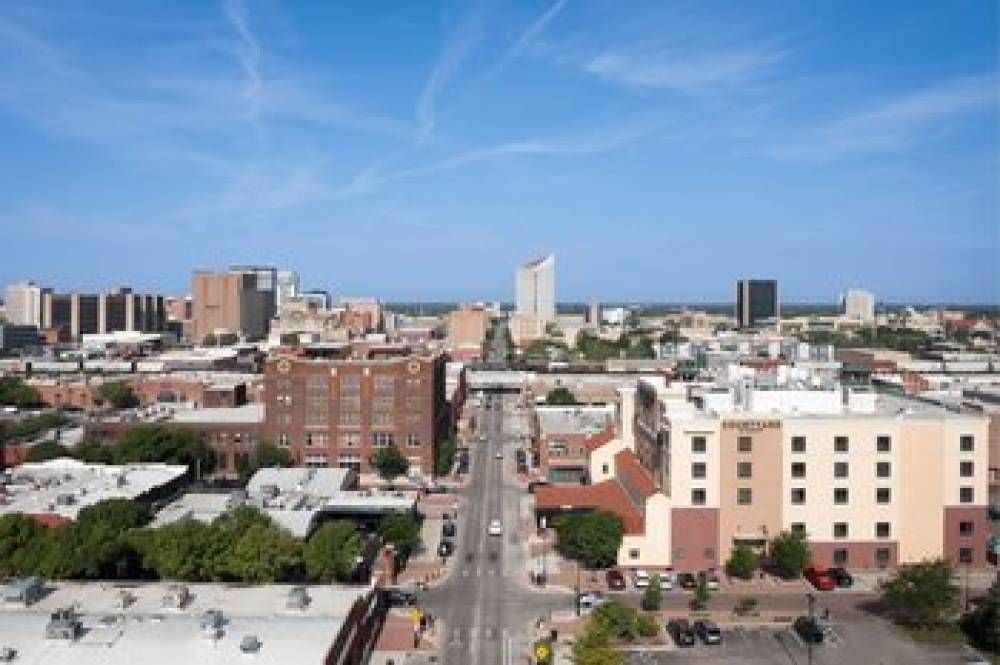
column 820, row 578
column 616, row 581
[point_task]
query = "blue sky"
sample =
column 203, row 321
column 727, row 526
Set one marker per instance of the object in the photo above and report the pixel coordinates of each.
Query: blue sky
column 419, row 151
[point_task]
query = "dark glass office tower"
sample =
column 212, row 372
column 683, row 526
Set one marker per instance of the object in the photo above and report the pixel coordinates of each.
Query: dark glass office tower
column 756, row 301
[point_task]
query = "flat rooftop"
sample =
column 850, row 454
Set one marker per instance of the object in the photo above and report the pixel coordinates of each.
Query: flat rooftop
column 146, row 632
column 247, row 414
column 574, row 419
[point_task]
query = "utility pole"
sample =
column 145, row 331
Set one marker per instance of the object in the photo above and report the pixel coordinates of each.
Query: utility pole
column 812, row 622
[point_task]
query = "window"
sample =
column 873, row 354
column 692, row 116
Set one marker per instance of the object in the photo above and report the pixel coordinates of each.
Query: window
column 798, row 444
column 317, row 439
column 966, row 469
column 284, row 419
column 698, row 444
column 840, row 495
column 315, row 417
column 967, row 443
column 317, row 383
column 350, row 439
column 316, row 401
column 744, row 496
column 966, row 495
column 883, row 469
column 840, row 557
column 882, row 557
column 709, row 554
column 284, row 399
column 412, row 402
column 883, row 495
column 744, row 444
column 383, row 383
column 348, row 402
column 350, row 382
column 413, row 439
column 840, row 529
column 633, row 553
column 798, row 495
column 841, row 444
column 679, row 553
column 883, row 444
column 382, row 439
column 965, row 555
column 283, row 439
column 799, row 527
column 382, row 420
column 698, row 497
column 840, row 469
column 744, row 470
column 798, row 469
column 882, row 530
column 698, row 470
column 605, row 469
column 412, row 384
column 352, row 418
column 966, row 529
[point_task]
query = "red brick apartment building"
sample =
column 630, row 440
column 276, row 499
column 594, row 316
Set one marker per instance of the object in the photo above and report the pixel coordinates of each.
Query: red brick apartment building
column 340, row 411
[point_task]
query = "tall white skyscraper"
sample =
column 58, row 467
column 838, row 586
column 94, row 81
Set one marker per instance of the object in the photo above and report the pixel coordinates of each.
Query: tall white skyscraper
column 858, row 304
column 24, row 303
column 536, row 289
column 289, row 286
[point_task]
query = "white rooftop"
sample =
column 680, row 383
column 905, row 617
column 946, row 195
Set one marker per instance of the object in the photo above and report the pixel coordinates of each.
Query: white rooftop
column 63, row 486
column 320, row 482
column 248, row 414
column 574, row 419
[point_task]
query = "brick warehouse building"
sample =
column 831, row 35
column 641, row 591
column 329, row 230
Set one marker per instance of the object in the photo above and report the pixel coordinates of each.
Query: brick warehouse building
column 338, row 412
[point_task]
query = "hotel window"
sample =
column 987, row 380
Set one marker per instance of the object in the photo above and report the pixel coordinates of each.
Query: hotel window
column 384, row 384
column 744, row 496
column 382, row 439
column 799, row 527
column 698, row 444
column 350, row 382
column 965, row 555
column 967, row 443
column 840, row 469
column 744, row 470
column 840, row 495
column 882, row 530
column 798, row 495
column 840, row 529
column 883, row 444
column 744, row 444
column 383, row 403
column 316, row 439
column 798, row 444
column 350, row 439
column 350, row 418
column 413, row 439
column 382, row 420
column 315, row 401
column 882, row 557
column 283, row 439
column 412, row 418
column 966, row 495
column 698, row 497
column 698, row 470
column 966, row 529
column 798, row 469
column 966, row 469
column 883, row 469
column 317, row 383
column 840, row 557
column 350, row 402
column 841, row 444
column 883, row 495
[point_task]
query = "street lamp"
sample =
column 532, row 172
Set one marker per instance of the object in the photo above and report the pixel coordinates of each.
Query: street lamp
column 812, row 624
column 544, row 546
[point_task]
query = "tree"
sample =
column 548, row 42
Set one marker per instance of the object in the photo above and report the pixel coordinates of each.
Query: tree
column 702, row 595
column 444, row 456
column 790, row 554
column 178, row 551
column 560, row 396
column 17, row 533
column 118, row 394
column 389, row 463
column 652, row 597
column 592, row 538
column 332, row 551
column 921, row 594
column 982, row 624
column 623, row 622
column 402, row 531
column 15, row 392
column 118, row 514
column 264, row 554
column 47, row 450
column 266, row 455
column 154, row 443
column 594, row 647
column 743, row 561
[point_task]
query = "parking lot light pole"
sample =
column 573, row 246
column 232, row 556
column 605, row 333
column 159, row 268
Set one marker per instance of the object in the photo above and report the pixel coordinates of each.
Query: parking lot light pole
column 812, row 623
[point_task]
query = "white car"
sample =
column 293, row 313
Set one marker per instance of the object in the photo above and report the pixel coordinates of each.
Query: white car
column 495, row 528
column 641, row 579
column 666, row 581
column 498, row 454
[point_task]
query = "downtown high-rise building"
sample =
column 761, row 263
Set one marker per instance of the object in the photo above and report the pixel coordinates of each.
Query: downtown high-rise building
column 23, row 303
column 859, row 305
column 756, row 302
column 288, row 286
column 536, row 289
column 230, row 303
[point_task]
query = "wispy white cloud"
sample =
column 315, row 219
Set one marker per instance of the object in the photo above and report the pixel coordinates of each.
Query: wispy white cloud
column 895, row 124
column 458, row 46
column 678, row 70
column 531, row 33
column 249, row 55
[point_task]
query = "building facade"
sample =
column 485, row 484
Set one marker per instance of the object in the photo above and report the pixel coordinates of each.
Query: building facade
column 536, row 289
column 288, row 286
column 24, row 304
column 756, row 302
column 228, row 303
column 859, row 305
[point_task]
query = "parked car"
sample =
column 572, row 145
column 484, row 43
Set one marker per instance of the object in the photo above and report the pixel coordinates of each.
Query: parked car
column 495, row 528
column 809, row 630
column 666, row 581
column 687, row 581
column 681, row 632
column 446, row 548
column 448, row 529
column 616, row 581
column 400, row 598
column 841, row 577
column 820, row 578
column 498, row 454
column 708, row 631
column 711, row 580
column 590, row 600
column 641, row 579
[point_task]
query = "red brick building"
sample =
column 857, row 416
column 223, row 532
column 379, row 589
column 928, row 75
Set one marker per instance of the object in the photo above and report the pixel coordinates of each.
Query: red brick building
column 339, row 411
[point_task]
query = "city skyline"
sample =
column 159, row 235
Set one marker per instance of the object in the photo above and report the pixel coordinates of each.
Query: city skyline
column 473, row 135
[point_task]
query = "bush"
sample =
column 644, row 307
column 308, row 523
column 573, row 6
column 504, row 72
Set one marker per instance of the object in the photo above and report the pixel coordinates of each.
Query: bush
column 14, row 391
column 560, row 396
column 922, row 594
column 389, row 463
column 118, row 394
column 331, row 552
column 622, row 622
column 789, row 554
column 652, row 597
column 743, row 561
column 594, row 647
column 591, row 538
column 47, row 450
column 982, row 624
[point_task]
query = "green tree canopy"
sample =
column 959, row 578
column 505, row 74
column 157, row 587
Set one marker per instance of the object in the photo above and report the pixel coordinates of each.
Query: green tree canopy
column 789, row 554
column 982, row 624
column 390, row 463
column 154, row 443
column 47, row 450
column 118, row 394
column 332, row 550
column 594, row 647
column 623, row 622
column 17, row 533
column 15, row 392
column 743, row 561
column 592, row 538
column 444, row 456
column 652, row 597
column 922, row 594
column 402, row 531
column 561, row 396
column 119, row 514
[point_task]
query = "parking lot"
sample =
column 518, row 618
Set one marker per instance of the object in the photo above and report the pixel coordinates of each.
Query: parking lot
column 857, row 642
